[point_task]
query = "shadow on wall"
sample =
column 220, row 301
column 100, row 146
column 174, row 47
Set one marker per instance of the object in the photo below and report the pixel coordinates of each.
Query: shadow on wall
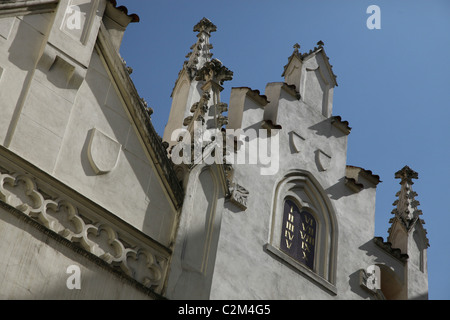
column 23, row 54
column 354, row 281
column 326, row 129
column 339, row 190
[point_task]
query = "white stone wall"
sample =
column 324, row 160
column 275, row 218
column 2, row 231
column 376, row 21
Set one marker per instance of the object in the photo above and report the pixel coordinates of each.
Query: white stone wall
column 245, row 269
column 65, row 119
column 51, row 126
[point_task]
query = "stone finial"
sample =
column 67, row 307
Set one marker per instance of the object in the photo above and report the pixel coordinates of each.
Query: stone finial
column 320, row 43
column 296, row 48
column 205, row 25
column 406, row 174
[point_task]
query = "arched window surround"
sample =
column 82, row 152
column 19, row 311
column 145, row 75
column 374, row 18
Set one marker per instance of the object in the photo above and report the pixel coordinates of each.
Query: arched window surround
column 306, row 192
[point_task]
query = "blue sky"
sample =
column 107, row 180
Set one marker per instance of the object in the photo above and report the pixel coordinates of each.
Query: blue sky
column 393, row 82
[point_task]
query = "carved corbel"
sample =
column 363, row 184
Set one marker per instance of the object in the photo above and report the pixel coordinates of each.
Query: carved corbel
column 239, row 196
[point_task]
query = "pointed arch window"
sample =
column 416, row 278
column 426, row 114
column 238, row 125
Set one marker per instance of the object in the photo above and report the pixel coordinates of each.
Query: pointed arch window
column 304, row 231
column 299, row 235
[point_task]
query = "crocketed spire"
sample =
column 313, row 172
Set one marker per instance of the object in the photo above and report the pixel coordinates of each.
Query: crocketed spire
column 406, row 206
column 200, row 53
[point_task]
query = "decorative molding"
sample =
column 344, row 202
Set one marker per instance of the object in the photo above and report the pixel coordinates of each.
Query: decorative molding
column 143, row 262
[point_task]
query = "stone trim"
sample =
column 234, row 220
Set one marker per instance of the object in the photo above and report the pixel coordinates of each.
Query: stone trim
column 358, row 173
column 255, row 95
column 134, row 17
column 281, row 256
column 387, row 246
column 340, row 124
column 353, row 185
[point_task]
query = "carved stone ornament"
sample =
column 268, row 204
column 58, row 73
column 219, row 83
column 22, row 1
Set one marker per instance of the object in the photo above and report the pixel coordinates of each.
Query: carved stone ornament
column 239, row 196
column 141, row 261
column 323, row 160
column 103, row 152
column 214, row 70
column 370, row 280
column 297, row 141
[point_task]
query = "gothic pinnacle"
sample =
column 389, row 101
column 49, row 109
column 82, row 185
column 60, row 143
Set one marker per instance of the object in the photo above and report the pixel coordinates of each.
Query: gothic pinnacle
column 201, row 49
column 406, row 205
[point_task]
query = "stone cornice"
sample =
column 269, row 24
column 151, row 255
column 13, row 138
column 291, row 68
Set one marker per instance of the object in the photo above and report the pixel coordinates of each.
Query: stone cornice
column 366, row 174
column 134, row 17
column 255, row 95
column 341, row 124
column 387, row 246
column 353, row 185
column 291, row 89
